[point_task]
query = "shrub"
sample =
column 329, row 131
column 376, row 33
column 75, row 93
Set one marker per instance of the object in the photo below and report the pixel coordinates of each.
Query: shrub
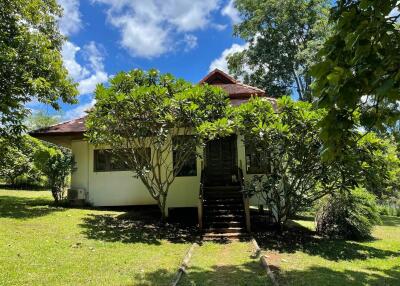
column 56, row 165
column 389, row 209
column 348, row 215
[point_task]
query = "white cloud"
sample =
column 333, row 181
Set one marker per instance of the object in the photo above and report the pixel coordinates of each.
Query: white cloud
column 94, row 56
column 70, row 23
column 91, row 72
column 219, row 27
column 142, row 39
column 189, row 15
column 190, row 42
column 88, row 85
column 150, row 28
column 230, row 11
column 76, row 71
column 221, row 62
column 79, row 110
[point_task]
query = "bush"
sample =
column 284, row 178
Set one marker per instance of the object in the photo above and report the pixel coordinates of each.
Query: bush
column 348, row 215
column 56, row 165
column 389, row 210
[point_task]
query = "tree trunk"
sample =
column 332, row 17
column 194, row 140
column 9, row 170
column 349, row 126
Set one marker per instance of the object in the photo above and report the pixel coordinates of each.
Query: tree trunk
column 55, row 193
column 162, row 204
column 12, row 180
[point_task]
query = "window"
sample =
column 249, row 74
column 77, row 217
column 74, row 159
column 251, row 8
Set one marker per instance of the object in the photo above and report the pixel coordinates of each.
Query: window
column 189, row 165
column 253, row 160
column 105, row 160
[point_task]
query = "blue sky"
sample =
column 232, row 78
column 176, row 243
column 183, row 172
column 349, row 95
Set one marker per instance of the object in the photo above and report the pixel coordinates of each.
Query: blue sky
column 185, row 37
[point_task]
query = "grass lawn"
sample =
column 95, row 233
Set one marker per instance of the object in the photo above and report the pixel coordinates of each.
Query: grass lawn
column 45, row 245
column 298, row 257
column 225, row 264
column 41, row 244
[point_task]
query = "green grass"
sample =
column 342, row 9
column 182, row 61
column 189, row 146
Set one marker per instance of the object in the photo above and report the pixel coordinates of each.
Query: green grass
column 298, row 257
column 225, row 264
column 45, row 245
column 41, row 244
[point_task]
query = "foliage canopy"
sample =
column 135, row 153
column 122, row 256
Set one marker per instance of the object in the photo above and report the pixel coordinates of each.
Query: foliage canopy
column 35, row 162
column 31, row 66
column 40, row 119
column 284, row 136
column 142, row 111
column 283, row 38
column 358, row 77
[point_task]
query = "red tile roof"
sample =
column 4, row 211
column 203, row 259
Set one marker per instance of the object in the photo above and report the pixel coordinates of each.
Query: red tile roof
column 233, row 87
column 70, row 127
column 217, row 76
column 237, row 91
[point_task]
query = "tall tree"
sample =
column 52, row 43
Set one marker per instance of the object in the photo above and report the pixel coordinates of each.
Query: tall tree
column 40, row 119
column 17, row 160
column 13, row 162
column 358, row 77
column 149, row 121
column 283, row 39
column 31, row 66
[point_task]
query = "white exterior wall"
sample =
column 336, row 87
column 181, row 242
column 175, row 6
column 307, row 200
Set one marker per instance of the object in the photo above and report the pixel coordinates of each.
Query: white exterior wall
column 118, row 188
column 80, row 177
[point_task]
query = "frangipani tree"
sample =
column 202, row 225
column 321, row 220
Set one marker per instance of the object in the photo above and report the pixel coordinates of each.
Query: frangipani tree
column 146, row 117
column 286, row 141
column 291, row 174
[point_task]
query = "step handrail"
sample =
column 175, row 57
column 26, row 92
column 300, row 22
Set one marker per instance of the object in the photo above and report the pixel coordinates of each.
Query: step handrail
column 246, row 201
column 201, row 198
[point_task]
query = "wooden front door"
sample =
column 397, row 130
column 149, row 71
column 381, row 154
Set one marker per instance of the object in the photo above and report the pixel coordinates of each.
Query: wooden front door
column 221, row 161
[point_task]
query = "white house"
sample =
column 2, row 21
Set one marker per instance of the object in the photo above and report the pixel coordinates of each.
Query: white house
column 218, row 168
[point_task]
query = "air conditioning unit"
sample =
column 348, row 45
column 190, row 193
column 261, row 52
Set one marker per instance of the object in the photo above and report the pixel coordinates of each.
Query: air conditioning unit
column 77, row 194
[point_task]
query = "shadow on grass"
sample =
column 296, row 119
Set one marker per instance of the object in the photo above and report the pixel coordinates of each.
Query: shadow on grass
column 298, row 238
column 26, row 208
column 245, row 274
column 141, row 225
column 161, row 277
column 326, row 276
column 251, row 274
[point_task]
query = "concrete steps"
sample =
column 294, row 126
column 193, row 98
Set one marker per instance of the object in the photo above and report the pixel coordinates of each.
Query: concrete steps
column 225, row 236
column 223, row 210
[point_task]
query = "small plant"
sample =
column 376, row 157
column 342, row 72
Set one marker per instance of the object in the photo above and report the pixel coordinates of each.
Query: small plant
column 56, row 165
column 349, row 215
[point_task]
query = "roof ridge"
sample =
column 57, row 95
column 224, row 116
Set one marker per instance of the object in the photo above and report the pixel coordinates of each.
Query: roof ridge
column 217, row 70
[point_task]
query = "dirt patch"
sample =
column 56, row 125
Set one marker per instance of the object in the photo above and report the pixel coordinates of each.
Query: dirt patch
column 274, row 261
